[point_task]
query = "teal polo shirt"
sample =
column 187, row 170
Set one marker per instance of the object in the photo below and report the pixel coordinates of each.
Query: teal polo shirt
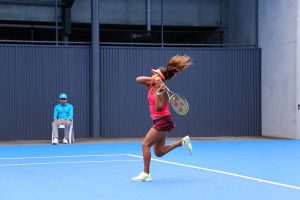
column 63, row 111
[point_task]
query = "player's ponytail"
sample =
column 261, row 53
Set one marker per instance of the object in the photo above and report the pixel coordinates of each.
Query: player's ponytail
column 175, row 64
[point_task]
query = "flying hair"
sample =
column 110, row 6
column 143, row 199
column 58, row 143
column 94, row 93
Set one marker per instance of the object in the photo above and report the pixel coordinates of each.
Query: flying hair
column 176, row 64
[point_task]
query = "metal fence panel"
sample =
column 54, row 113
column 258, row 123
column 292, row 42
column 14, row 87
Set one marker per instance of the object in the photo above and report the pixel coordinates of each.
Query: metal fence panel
column 222, row 87
column 31, row 78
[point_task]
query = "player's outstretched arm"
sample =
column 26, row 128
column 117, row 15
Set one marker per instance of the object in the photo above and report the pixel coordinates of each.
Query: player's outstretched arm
column 144, row 80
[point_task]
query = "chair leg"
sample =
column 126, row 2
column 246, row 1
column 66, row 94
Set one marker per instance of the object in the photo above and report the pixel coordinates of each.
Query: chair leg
column 70, row 137
column 73, row 136
column 70, row 134
column 52, row 137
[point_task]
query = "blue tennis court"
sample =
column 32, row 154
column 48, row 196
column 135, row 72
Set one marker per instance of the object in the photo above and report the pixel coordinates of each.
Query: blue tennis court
column 260, row 169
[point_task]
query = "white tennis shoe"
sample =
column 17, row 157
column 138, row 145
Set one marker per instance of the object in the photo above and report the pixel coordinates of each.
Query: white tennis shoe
column 65, row 141
column 186, row 143
column 142, row 177
column 55, row 141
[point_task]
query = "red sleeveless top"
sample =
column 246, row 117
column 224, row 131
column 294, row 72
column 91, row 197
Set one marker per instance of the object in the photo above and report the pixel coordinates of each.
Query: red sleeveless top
column 154, row 114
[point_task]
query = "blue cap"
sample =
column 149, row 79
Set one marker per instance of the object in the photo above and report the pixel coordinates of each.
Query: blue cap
column 63, row 96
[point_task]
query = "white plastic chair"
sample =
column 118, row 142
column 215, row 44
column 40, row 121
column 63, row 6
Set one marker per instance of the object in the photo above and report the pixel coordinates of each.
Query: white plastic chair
column 71, row 133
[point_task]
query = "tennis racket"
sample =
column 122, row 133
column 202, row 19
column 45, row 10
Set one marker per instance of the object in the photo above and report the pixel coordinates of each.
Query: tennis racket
column 177, row 101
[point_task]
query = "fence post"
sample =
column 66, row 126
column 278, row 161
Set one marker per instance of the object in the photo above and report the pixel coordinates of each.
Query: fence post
column 95, row 73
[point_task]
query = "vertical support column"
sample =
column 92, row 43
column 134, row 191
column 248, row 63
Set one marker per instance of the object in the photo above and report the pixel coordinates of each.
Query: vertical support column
column 148, row 15
column 67, row 19
column 56, row 23
column 280, row 68
column 95, row 73
column 256, row 22
column 162, row 22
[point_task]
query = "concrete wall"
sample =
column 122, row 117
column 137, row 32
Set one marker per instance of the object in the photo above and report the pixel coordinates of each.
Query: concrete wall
column 278, row 37
column 298, row 71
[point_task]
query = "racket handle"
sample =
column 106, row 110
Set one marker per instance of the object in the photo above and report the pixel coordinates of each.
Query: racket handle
column 160, row 92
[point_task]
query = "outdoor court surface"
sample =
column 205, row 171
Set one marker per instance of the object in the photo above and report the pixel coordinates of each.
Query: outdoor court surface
column 233, row 170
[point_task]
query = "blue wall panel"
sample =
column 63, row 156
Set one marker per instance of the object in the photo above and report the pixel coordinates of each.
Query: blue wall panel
column 222, row 87
column 31, row 77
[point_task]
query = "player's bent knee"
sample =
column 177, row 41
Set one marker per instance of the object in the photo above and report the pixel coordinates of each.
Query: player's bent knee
column 145, row 145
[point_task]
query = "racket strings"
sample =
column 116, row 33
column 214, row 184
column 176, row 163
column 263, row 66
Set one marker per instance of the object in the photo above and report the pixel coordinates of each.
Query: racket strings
column 179, row 104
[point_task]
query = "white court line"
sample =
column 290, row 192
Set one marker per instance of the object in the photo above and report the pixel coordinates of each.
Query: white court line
column 75, row 162
column 223, row 172
column 76, row 156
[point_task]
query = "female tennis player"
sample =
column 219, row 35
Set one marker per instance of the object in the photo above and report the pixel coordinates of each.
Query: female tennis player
column 160, row 114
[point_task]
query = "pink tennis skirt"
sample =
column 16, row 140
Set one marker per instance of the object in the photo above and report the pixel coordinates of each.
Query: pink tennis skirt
column 164, row 123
